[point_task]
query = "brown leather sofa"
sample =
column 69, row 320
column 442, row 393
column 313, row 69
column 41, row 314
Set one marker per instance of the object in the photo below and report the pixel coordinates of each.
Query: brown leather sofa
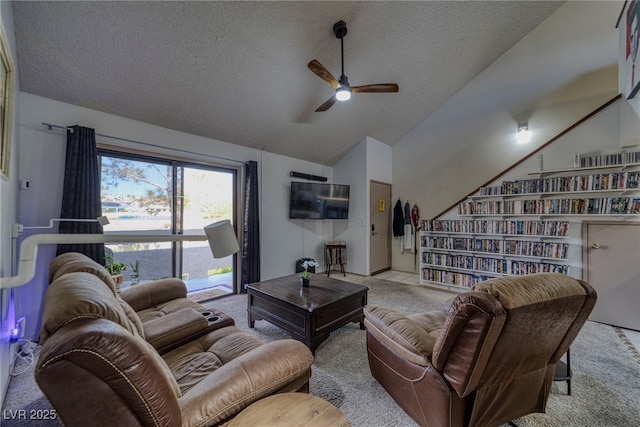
column 96, row 368
column 489, row 359
column 167, row 316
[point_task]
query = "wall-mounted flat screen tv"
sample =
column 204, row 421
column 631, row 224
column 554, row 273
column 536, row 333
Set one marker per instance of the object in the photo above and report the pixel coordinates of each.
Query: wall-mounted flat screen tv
column 312, row 200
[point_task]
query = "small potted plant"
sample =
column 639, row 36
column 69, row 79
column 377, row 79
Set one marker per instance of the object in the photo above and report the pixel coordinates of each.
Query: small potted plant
column 304, row 279
column 115, row 268
column 135, row 272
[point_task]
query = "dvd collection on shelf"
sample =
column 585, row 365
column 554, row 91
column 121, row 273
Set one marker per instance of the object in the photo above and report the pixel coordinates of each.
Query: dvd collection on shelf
column 440, row 236
column 594, row 182
column 454, row 278
column 488, row 268
column 587, row 206
column 462, row 252
column 527, row 248
column 501, row 227
column 491, row 265
column 609, row 159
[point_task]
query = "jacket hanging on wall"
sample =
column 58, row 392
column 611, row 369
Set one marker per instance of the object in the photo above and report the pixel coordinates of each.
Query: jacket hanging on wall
column 415, row 220
column 406, row 245
column 407, row 213
column 398, row 220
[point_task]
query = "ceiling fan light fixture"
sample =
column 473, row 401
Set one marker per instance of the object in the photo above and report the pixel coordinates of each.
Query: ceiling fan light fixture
column 343, row 93
column 341, row 86
column 524, row 134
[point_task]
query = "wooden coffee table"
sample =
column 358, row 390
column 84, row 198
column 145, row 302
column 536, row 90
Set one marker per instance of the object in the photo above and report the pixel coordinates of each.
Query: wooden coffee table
column 308, row 314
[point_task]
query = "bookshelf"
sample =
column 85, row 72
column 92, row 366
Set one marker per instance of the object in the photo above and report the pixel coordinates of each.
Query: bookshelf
column 529, row 225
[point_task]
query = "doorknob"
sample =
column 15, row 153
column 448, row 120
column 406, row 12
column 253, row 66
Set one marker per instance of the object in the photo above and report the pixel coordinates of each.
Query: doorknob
column 373, row 230
column 595, row 246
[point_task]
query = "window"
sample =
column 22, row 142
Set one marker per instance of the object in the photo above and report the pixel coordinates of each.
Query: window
column 154, row 196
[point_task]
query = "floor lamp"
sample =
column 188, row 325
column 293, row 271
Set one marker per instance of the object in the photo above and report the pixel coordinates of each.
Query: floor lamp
column 220, row 235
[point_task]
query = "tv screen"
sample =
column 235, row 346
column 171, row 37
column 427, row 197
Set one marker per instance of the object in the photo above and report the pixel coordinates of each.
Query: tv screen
column 311, row 200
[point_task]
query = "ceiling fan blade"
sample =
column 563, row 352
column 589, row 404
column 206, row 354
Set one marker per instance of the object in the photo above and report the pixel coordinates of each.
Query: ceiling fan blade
column 376, row 88
column 328, row 104
column 323, row 73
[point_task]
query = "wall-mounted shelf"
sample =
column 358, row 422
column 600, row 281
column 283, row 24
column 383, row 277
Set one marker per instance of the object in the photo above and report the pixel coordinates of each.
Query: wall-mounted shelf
column 617, row 167
column 534, row 215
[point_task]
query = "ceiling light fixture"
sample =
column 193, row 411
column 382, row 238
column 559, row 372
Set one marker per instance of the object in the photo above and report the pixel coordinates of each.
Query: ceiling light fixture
column 524, row 134
column 343, row 93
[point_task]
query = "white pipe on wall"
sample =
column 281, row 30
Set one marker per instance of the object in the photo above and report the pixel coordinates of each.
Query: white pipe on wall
column 29, row 249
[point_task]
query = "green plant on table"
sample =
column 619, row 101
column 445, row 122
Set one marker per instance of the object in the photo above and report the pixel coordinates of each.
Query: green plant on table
column 135, row 266
column 113, row 267
column 306, row 265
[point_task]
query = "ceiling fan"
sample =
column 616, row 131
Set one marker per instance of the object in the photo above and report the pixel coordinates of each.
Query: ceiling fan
column 342, row 86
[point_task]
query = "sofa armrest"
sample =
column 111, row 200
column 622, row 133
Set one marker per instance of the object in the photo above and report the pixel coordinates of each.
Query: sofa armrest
column 149, row 294
column 250, row 377
column 399, row 333
column 175, row 327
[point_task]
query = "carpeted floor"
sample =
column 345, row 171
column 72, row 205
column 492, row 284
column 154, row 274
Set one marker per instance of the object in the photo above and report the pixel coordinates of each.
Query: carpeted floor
column 606, row 382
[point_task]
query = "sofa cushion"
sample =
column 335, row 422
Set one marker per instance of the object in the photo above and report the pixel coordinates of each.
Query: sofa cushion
column 400, row 333
column 151, row 294
column 83, row 295
column 174, row 328
column 250, row 376
column 62, row 259
column 518, row 291
column 165, row 308
column 80, row 263
column 85, row 265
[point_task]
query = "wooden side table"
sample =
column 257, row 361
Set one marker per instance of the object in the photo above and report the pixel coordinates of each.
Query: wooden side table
column 335, row 254
column 290, row 409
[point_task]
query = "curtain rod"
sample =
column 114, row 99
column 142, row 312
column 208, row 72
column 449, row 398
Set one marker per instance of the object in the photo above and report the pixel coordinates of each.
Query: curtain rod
column 52, row 126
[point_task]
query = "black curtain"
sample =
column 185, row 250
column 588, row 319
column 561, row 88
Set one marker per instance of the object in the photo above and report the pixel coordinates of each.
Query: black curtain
column 251, row 227
column 81, row 191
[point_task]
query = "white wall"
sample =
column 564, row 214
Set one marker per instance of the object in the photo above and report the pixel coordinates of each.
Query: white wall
column 351, row 170
column 8, row 212
column 368, row 160
column 630, row 118
column 286, row 240
column 454, row 150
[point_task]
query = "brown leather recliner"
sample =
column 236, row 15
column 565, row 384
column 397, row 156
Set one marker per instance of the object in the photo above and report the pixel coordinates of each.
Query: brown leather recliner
column 168, row 318
column 96, row 368
column 489, row 359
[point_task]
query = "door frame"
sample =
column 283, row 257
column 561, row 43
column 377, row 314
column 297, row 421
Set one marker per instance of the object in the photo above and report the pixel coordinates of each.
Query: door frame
column 389, row 233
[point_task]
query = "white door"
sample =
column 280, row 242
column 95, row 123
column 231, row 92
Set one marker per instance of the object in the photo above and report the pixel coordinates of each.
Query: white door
column 612, row 267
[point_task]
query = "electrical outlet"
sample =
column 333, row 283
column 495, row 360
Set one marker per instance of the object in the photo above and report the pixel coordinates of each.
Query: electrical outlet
column 18, row 331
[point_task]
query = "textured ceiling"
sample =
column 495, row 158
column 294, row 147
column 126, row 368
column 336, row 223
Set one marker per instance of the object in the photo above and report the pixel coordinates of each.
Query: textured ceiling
column 237, row 71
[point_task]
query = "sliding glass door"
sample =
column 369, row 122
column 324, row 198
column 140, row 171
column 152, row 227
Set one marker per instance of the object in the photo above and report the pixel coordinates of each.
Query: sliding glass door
column 155, row 196
column 204, row 196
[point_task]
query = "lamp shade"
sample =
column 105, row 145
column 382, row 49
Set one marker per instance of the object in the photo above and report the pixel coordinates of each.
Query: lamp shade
column 222, row 238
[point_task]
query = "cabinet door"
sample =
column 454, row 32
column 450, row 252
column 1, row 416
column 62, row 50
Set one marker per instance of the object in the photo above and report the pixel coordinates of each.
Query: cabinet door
column 612, row 267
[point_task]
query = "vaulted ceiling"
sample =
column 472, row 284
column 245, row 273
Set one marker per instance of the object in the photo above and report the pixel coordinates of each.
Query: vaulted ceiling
column 237, row 71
